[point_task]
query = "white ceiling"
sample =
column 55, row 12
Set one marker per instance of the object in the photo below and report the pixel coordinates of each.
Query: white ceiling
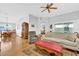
column 18, row 10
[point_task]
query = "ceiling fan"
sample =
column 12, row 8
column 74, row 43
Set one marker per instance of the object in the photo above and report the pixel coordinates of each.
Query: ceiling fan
column 48, row 7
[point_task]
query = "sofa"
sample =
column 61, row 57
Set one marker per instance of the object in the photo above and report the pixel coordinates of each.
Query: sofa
column 32, row 37
column 68, row 40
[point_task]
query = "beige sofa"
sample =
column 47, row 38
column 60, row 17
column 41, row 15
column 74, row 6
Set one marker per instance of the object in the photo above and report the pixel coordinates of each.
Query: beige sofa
column 68, row 40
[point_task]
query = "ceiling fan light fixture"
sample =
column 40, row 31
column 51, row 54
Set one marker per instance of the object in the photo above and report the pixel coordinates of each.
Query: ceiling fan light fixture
column 48, row 7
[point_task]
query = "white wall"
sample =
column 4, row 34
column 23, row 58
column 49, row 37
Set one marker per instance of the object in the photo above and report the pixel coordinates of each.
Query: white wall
column 19, row 24
column 37, row 21
column 69, row 17
column 6, row 19
column 34, row 21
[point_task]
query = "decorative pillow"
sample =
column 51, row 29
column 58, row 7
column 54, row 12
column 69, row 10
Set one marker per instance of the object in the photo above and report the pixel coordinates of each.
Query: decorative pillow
column 71, row 37
column 78, row 35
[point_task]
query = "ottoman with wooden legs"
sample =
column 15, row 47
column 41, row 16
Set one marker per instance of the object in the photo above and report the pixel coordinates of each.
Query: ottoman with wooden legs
column 52, row 48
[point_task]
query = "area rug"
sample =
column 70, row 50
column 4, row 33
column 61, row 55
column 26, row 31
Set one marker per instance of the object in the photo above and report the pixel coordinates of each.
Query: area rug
column 66, row 52
column 30, row 51
column 33, row 51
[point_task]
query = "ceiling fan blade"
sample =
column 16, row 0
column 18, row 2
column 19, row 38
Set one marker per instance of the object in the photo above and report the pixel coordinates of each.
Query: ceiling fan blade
column 42, row 7
column 49, row 10
column 49, row 5
column 44, row 10
column 53, row 8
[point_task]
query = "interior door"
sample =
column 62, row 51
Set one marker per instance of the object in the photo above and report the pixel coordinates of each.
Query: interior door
column 25, row 30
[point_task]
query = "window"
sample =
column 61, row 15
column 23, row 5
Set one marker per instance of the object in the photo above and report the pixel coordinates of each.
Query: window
column 9, row 26
column 64, row 27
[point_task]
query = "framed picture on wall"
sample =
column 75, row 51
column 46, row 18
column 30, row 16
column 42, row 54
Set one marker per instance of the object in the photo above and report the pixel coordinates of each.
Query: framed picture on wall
column 32, row 25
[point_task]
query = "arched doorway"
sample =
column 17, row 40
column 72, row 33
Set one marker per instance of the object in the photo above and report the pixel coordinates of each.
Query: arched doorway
column 25, row 28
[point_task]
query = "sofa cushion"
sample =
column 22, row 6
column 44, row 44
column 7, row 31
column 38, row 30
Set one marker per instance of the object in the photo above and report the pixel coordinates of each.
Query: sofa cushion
column 62, row 41
column 68, row 36
column 71, row 37
column 77, row 41
column 56, row 35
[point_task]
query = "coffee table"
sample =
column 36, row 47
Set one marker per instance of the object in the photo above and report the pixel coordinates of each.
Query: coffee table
column 52, row 48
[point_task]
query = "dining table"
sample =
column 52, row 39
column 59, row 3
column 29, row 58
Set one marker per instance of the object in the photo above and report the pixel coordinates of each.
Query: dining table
column 7, row 36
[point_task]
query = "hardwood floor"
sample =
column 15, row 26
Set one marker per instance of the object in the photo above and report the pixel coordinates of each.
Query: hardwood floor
column 13, row 47
column 20, row 47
